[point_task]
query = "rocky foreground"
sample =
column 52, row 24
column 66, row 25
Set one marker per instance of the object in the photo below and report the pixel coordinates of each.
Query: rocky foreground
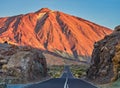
column 21, row 63
column 105, row 67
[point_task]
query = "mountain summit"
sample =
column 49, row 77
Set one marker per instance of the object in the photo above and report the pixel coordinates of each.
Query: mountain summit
column 52, row 30
column 43, row 10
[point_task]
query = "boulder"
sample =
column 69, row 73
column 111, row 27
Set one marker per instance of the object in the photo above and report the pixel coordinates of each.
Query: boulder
column 22, row 62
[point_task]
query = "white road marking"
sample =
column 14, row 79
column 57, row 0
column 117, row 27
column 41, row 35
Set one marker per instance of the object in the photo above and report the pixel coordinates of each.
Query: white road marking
column 66, row 83
column 67, row 86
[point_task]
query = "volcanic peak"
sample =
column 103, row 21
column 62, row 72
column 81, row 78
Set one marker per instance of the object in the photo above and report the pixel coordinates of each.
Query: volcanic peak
column 43, row 10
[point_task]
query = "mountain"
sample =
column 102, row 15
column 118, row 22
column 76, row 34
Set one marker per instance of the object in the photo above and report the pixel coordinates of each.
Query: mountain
column 53, row 31
column 105, row 67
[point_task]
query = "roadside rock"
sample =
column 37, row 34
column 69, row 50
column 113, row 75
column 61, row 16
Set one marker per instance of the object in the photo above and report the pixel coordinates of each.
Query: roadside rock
column 21, row 62
column 105, row 63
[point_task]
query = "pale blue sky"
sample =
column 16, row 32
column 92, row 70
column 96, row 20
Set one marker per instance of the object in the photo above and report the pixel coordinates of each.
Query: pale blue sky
column 103, row 12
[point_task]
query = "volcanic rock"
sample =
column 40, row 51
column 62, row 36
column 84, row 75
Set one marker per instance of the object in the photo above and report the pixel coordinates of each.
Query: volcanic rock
column 23, row 63
column 105, row 63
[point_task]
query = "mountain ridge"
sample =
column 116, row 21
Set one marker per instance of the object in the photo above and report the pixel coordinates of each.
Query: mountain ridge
column 52, row 30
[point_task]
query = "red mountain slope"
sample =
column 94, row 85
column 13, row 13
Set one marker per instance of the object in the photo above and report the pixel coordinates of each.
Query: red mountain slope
column 52, row 30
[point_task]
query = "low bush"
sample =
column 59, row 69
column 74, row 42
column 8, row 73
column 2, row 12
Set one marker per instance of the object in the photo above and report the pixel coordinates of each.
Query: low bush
column 79, row 71
column 55, row 71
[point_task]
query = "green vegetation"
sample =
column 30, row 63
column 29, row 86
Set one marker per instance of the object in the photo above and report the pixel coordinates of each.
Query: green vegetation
column 2, row 86
column 2, row 83
column 55, row 71
column 112, row 85
column 79, row 71
column 116, row 84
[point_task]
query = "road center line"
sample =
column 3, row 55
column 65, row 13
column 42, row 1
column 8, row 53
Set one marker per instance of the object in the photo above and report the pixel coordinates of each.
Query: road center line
column 66, row 85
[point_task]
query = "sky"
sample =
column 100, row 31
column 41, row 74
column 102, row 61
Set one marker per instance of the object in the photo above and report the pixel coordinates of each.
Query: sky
column 102, row 12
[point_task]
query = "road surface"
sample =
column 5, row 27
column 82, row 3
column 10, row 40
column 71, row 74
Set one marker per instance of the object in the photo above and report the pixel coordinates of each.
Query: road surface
column 66, row 81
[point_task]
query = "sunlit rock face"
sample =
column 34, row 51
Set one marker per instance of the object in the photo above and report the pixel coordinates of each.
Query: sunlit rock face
column 52, row 30
column 105, row 66
column 23, row 63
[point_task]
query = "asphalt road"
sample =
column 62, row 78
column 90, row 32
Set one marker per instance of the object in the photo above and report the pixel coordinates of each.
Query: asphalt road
column 66, row 81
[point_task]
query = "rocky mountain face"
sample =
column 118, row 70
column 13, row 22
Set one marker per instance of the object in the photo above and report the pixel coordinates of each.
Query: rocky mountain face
column 22, row 63
column 105, row 66
column 52, row 30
